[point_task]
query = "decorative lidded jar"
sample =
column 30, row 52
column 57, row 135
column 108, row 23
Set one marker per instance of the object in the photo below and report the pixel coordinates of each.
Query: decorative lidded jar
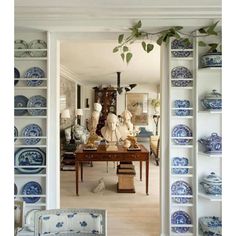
column 212, row 184
column 211, row 59
column 212, row 100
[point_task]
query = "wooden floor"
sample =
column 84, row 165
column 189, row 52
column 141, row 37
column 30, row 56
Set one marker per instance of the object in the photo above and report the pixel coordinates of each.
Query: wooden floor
column 128, row 214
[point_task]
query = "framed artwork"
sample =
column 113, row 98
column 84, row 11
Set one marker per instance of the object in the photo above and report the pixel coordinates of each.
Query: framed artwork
column 137, row 104
column 19, row 207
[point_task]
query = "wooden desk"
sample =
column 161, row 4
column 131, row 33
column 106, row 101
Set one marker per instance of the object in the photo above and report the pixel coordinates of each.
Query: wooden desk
column 100, row 155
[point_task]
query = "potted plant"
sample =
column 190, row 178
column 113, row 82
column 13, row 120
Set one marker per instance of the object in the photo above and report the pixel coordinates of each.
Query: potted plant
column 155, row 104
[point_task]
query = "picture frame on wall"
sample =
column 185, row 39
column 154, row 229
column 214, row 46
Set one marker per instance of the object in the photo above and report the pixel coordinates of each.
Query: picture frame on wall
column 137, row 104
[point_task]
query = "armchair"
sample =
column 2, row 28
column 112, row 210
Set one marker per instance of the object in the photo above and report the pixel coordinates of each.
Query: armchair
column 84, row 222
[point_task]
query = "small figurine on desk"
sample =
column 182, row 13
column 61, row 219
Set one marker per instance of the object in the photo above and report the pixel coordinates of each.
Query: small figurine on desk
column 133, row 140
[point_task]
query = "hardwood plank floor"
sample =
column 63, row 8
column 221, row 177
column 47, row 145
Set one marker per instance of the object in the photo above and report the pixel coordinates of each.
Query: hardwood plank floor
column 127, row 213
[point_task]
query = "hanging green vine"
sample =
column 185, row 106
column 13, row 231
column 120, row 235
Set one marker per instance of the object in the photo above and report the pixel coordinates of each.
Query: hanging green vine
column 162, row 37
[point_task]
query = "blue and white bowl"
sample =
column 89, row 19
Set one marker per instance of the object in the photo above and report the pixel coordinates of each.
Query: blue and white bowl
column 211, row 225
column 182, row 103
column 213, row 59
column 212, row 100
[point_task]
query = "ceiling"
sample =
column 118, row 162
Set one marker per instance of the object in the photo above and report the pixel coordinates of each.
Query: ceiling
column 95, row 63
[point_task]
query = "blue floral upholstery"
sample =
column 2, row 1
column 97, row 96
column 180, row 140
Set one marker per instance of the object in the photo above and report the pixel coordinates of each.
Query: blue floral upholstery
column 70, row 222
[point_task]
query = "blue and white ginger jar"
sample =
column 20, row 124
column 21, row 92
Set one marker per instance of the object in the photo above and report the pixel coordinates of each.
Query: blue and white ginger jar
column 212, row 184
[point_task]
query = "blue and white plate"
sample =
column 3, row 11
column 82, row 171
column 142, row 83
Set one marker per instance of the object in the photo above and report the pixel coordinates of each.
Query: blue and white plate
column 181, row 131
column 31, row 188
column 180, row 161
column 20, row 44
column 179, row 44
column 180, row 218
column 181, row 188
column 182, row 103
column 20, row 101
column 37, row 101
column 182, row 112
column 181, row 53
column 29, row 157
column 32, row 130
column 34, row 72
column 181, row 72
column 16, row 75
column 15, row 133
column 37, row 44
column 181, row 83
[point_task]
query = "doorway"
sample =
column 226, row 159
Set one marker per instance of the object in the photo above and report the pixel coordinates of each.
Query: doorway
column 131, row 211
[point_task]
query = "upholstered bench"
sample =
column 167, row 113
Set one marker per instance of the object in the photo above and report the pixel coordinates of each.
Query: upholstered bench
column 155, row 147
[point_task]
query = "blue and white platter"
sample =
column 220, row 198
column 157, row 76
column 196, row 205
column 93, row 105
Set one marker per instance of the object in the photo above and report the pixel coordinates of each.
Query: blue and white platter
column 181, row 188
column 29, row 157
column 15, row 133
column 180, row 161
column 181, row 131
column 37, row 101
column 179, row 44
column 31, row 188
column 20, row 101
column 37, row 44
column 180, row 218
column 181, row 72
column 20, row 44
column 34, row 72
column 16, row 75
column 32, row 130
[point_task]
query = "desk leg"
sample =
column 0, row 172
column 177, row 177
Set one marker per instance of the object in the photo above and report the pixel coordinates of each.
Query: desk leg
column 141, row 170
column 82, row 173
column 147, row 175
column 77, row 177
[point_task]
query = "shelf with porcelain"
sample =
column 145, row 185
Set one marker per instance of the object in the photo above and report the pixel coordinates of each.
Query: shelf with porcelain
column 181, row 146
column 182, row 204
column 180, row 175
column 31, row 50
column 210, row 68
column 182, row 58
column 182, row 117
column 30, row 167
column 210, row 111
column 30, row 88
column 30, row 108
column 212, row 198
column 187, row 87
column 29, row 116
column 183, row 234
column 30, row 146
column 183, row 167
column 181, row 50
column 28, row 79
column 31, row 58
column 181, row 108
column 30, row 137
column 30, row 175
column 30, row 195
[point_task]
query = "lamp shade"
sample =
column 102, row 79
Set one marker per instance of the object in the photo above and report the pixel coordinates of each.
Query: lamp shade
column 79, row 112
column 65, row 114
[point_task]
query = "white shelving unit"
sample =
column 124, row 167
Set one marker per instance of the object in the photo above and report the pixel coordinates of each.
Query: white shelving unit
column 179, row 150
column 21, row 88
column 207, row 122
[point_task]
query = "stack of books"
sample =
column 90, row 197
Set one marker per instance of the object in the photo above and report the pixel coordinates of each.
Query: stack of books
column 126, row 173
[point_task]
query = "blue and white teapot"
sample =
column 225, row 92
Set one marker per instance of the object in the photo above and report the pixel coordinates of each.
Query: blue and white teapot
column 212, row 144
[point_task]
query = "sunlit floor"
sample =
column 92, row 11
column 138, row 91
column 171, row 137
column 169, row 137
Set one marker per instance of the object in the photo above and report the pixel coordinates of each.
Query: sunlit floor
column 127, row 213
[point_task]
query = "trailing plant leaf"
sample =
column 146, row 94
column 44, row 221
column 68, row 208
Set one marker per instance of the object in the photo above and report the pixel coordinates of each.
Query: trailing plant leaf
column 125, row 49
column 138, row 25
column 201, row 44
column 202, row 31
column 211, row 28
column 160, row 40
column 122, row 56
column 120, row 38
column 144, row 46
column 213, row 47
column 116, row 49
column 128, row 57
column 178, row 28
column 150, row 47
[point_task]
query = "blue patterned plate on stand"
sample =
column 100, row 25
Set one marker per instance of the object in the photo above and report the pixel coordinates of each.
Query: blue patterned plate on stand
column 34, row 72
column 179, row 44
column 32, row 130
column 37, row 101
column 15, row 133
column 181, row 188
column 181, row 131
column 38, row 44
column 31, row 188
column 29, row 157
column 20, row 101
column 183, row 73
column 180, row 161
column 20, row 44
column 16, row 75
column 180, row 218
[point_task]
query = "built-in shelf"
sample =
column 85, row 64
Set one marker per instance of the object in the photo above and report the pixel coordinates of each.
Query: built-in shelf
column 211, row 111
column 29, row 167
column 30, row 137
column 182, row 234
column 182, row 117
column 189, row 87
column 31, row 58
column 181, row 50
column 181, row 146
column 180, row 175
column 30, row 108
column 29, row 88
column 30, row 175
column 30, row 50
column 30, row 146
column 29, row 79
column 210, row 197
column 183, row 167
column 182, row 205
column 30, row 117
column 181, row 79
column 210, row 68
column 33, row 195
column 180, row 108
column 210, row 155
column 182, row 58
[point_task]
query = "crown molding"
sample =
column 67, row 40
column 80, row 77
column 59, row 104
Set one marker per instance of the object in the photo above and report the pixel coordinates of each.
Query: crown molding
column 69, row 74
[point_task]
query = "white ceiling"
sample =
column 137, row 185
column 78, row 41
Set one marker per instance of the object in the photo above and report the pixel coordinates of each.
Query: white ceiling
column 94, row 62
